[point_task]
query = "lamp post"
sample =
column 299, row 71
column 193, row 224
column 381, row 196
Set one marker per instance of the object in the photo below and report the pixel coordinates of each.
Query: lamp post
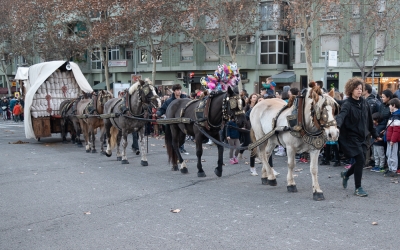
column 373, row 71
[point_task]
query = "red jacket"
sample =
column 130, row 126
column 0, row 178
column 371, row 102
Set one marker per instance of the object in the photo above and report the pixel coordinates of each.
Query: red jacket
column 393, row 131
column 17, row 109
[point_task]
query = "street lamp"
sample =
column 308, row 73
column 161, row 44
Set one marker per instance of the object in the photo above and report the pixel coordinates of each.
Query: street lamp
column 373, row 70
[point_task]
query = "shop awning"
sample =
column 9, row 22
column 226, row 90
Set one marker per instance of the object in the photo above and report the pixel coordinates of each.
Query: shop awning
column 102, row 85
column 285, row 77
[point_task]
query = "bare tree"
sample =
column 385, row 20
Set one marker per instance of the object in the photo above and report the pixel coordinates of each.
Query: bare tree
column 367, row 31
column 309, row 19
column 224, row 21
column 5, row 40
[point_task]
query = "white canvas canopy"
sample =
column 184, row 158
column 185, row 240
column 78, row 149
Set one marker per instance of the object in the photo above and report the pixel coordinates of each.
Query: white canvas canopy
column 37, row 75
column 22, row 74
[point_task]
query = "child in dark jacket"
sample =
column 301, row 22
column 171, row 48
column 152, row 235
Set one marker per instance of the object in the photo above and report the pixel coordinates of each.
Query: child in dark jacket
column 232, row 135
column 378, row 146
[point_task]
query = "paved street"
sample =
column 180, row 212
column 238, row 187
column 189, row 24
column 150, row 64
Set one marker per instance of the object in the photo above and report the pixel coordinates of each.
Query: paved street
column 57, row 196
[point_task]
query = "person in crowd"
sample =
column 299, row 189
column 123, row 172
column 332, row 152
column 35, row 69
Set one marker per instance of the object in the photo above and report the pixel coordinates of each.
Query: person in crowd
column 285, row 96
column 379, row 149
column 232, row 134
column 397, row 92
column 4, row 106
column 355, row 123
column 374, row 105
column 12, row 104
column 176, row 94
column 263, row 93
column 393, row 137
column 17, row 111
column 293, row 92
column 269, row 86
column 250, row 103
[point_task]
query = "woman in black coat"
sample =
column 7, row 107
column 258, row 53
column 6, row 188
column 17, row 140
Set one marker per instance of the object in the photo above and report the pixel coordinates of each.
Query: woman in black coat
column 355, row 123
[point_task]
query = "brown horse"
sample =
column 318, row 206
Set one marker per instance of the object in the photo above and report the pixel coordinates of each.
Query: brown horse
column 70, row 122
column 222, row 105
column 88, row 112
column 123, row 116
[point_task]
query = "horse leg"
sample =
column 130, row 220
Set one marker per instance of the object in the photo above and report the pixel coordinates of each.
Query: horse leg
column 143, row 142
column 265, row 151
column 86, row 137
column 78, row 130
column 199, row 153
column 107, row 130
column 291, row 185
column 175, row 146
column 102, row 135
column 64, row 130
column 218, row 169
column 119, row 156
column 181, row 141
column 93, row 139
column 124, row 144
column 318, row 195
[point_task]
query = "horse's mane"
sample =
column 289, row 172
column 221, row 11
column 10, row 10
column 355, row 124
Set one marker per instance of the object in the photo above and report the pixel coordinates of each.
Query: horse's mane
column 134, row 87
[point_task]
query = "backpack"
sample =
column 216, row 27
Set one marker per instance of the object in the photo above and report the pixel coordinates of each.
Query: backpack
column 374, row 105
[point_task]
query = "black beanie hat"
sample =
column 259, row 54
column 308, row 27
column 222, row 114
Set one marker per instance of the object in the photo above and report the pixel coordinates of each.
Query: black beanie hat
column 388, row 93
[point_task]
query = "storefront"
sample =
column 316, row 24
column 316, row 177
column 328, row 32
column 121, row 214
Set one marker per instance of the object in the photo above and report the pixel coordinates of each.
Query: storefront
column 332, row 81
column 382, row 80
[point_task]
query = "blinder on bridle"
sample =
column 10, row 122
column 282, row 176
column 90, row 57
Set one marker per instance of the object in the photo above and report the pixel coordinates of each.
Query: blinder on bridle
column 144, row 92
column 320, row 112
column 235, row 106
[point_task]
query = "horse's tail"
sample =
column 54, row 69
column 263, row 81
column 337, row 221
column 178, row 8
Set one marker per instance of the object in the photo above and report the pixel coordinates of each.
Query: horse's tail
column 253, row 139
column 113, row 138
column 172, row 157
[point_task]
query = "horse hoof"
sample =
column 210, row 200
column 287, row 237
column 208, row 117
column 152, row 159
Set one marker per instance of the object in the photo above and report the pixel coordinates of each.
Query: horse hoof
column 124, row 162
column 318, row 196
column 119, row 158
column 144, row 163
column 217, row 172
column 292, row 189
column 201, row 174
column 272, row 182
column 87, row 150
column 184, row 171
column 108, row 155
column 137, row 152
column 174, row 168
column 264, row 181
column 94, row 151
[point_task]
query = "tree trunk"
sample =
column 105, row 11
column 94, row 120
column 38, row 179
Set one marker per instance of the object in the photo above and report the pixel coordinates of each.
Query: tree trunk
column 308, row 52
column 104, row 59
column 4, row 69
column 154, row 54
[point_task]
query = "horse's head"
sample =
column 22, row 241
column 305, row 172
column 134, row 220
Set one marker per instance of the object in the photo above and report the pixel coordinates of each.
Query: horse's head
column 102, row 97
column 146, row 92
column 235, row 107
column 323, row 111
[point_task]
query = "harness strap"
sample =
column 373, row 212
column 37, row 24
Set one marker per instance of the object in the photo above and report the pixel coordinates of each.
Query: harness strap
column 217, row 141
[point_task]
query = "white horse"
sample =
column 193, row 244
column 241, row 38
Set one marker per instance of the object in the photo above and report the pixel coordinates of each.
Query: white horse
column 270, row 128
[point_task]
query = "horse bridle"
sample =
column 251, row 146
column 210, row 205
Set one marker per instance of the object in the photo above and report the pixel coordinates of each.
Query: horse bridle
column 143, row 92
column 322, row 116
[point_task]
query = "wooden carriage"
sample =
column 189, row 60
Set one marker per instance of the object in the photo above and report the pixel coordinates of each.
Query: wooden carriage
column 47, row 86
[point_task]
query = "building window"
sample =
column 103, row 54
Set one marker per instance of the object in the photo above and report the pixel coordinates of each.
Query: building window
column 355, row 9
column 96, row 59
column 143, row 55
column 355, row 44
column 158, row 55
column 330, row 12
column 380, row 42
column 329, row 42
column 245, row 46
column 113, row 53
column 211, row 22
column 186, row 51
column 381, row 6
column 213, row 54
column 273, row 50
column 128, row 54
column 270, row 15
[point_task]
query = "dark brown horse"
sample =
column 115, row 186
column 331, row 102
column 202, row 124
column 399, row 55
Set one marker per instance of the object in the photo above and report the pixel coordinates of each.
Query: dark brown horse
column 69, row 122
column 122, row 117
column 88, row 112
column 221, row 106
